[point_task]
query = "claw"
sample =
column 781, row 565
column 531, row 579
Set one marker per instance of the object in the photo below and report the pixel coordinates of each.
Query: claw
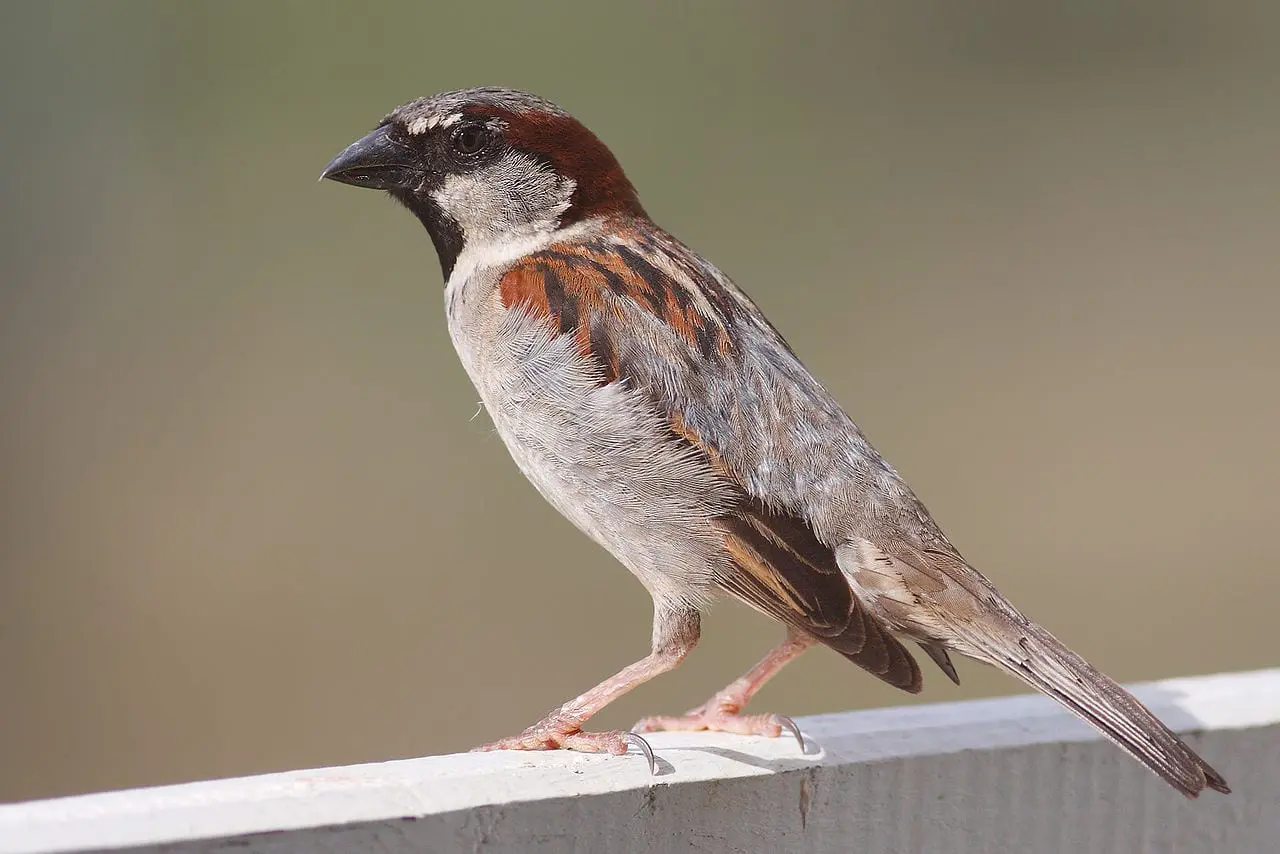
column 643, row 747
column 790, row 726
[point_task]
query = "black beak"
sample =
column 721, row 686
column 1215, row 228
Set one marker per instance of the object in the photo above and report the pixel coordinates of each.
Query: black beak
column 376, row 162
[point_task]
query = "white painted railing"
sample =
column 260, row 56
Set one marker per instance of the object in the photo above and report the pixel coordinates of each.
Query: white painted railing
column 1015, row 774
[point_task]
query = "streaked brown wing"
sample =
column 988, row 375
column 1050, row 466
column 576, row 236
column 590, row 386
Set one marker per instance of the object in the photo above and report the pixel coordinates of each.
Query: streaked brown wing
column 779, row 566
column 785, row 572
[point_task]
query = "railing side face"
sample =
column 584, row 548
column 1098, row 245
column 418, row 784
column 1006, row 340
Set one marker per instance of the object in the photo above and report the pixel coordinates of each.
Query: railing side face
column 1050, row 799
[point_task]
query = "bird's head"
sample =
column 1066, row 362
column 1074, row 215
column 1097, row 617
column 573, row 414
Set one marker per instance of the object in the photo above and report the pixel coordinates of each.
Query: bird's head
column 486, row 167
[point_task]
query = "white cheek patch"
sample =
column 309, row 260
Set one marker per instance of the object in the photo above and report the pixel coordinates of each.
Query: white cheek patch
column 506, row 210
column 514, row 196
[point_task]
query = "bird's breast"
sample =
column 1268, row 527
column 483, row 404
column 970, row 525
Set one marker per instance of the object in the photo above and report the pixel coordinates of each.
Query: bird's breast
column 595, row 450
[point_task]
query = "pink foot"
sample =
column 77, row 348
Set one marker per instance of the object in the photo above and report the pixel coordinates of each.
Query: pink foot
column 563, row 735
column 723, row 717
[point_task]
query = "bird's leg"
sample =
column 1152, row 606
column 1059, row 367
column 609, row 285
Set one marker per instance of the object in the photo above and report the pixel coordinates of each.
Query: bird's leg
column 675, row 631
column 721, row 712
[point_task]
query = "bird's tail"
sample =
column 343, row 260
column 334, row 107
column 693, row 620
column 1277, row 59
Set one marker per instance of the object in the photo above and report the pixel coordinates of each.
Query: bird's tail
column 1043, row 662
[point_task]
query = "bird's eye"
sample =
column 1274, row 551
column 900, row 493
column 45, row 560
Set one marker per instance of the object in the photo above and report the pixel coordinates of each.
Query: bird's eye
column 469, row 139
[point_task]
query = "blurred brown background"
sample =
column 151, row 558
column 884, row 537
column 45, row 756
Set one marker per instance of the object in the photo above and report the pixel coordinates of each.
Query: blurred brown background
column 248, row 521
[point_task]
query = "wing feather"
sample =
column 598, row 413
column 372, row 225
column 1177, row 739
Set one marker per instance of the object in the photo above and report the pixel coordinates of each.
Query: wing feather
column 623, row 308
column 784, row 571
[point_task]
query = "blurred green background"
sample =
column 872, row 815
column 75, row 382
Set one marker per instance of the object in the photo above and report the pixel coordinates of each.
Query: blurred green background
column 249, row 522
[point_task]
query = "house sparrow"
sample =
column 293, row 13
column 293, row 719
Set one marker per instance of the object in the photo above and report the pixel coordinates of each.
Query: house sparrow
column 651, row 403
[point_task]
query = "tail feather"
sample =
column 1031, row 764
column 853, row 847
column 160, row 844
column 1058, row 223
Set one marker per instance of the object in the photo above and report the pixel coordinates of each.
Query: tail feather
column 1043, row 662
column 938, row 653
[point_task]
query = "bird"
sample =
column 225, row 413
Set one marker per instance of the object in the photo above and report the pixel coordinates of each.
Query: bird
column 651, row 403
